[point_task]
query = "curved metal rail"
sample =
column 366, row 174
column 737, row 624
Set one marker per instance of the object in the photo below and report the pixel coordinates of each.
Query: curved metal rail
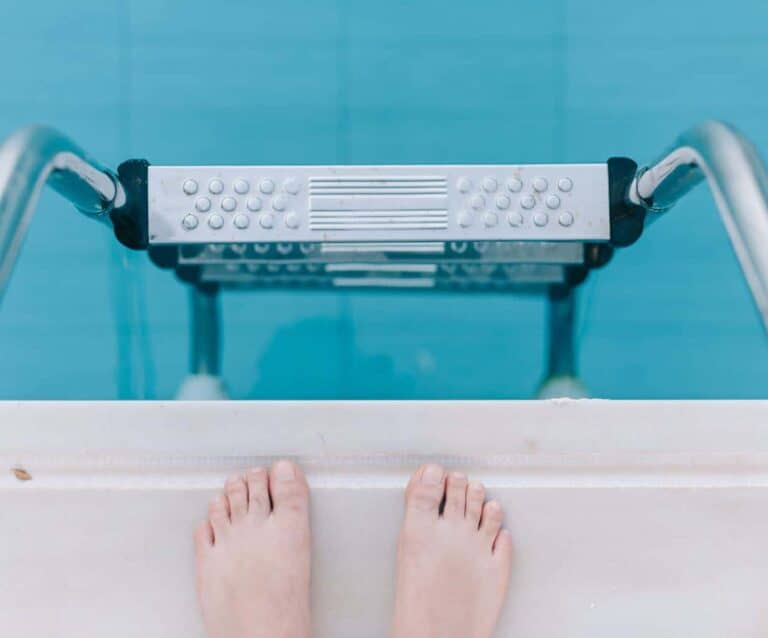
column 738, row 180
column 30, row 159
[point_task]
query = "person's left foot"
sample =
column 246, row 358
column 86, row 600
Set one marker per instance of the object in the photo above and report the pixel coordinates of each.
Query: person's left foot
column 252, row 556
column 452, row 565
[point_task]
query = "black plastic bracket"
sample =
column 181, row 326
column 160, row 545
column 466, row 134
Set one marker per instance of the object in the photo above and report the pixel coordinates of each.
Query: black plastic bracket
column 627, row 219
column 130, row 220
column 627, row 222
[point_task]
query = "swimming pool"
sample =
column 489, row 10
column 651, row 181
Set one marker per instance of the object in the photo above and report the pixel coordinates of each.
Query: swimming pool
column 671, row 319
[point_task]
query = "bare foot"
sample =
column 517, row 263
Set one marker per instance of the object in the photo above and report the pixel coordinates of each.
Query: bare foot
column 452, row 568
column 252, row 556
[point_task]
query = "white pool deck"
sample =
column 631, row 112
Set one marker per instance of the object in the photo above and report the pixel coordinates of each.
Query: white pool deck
column 631, row 519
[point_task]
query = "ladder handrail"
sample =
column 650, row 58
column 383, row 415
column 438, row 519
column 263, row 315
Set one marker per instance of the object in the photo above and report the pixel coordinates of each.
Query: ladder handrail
column 33, row 157
column 738, row 179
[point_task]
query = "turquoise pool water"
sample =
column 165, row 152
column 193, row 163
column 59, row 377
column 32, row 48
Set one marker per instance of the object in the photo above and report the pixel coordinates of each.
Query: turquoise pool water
column 357, row 82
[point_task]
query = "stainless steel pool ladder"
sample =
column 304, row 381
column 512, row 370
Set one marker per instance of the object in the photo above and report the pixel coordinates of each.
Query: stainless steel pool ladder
column 36, row 156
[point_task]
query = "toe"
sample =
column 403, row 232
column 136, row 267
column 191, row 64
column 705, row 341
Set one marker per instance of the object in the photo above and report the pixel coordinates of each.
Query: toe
column 258, row 493
column 502, row 548
column 218, row 515
column 491, row 520
column 455, row 496
column 425, row 490
column 475, row 500
column 237, row 494
column 288, row 488
column 203, row 538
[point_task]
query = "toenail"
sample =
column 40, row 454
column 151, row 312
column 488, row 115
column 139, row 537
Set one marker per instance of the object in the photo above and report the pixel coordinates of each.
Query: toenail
column 284, row 471
column 433, row 474
column 458, row 476
column 256, row 472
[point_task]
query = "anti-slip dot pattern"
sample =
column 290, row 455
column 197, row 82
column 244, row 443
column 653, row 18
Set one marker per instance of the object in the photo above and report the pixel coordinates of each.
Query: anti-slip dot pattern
column 311, row 203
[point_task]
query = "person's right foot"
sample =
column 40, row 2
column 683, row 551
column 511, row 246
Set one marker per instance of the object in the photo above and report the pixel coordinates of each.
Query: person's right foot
column 452, row 568
column 252, row 556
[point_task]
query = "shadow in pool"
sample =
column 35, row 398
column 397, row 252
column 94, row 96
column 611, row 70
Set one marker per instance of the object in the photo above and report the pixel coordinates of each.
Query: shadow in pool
column 319, row 359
